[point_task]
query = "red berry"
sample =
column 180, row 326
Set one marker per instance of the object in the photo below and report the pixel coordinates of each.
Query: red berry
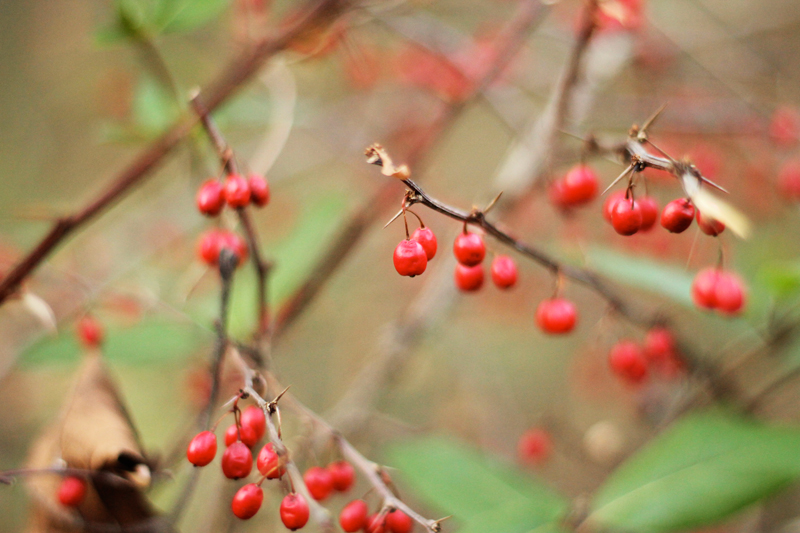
column 319, row 482
column 246, row 434
column 253, row 417
column 659, row 345
column 534, row 446
column 556, row 316
column 269, row 463
column 259, row 190
column 90, row 332
column 579, row 186
column 469, row 249
column 677, row 215
column 427, row 239
column 729, row 293
column 210, row 198
column 237, row 191
column 399, row 522
column 354, row 516
column 627, row 361
column 784, row 128
column 469, row 279
column 294, row 511
column 234, row 243
column 626, row 217
column 342, row 475
column 247, row 501
column 504, row 272
column 72, row 491
column 208, row 246
column 789, row 180
column 649, row 208
column 704, row 288
column 237, row 461
column 612, row 200
column 709, row 226
column 375, row 524
column 202, row 448
column 410, row 258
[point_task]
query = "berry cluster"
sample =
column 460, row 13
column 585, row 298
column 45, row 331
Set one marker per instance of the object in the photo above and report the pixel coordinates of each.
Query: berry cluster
column 355, row 516
column 715, row 289
column 633, row 363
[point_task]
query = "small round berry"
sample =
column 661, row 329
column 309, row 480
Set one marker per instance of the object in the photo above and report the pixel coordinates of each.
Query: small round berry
column 469, row 279
column 210, row 198
column 294, row 511
column 237, row 461
column 202, row 448
column 410, row 258
column 626, row 217
column 659, row 345
column 469, row 249
column 208, row 246
column 342, row 475
column 704, row 288
column 504, row 272
column 677, row 215
column 375, row 524
column 729, row 293
column 319, row 482
column 427, row 239
column 269, row 463
column 709, row 226
column 611, row 201
column 556, row 316
column 627, row 361
column 236, row 244
column 534, row 446
column 90, row 332
column 649, row 208
column 580, row 186
column 354, row 516
column 789, row 180
column 253, row 417
column 245, row 433
column 259, row 190
column 237, row 191
column 247, row 501
column 399, row 522
column 72, row 491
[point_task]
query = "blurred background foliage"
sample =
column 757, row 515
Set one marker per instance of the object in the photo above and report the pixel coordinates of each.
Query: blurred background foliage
column 86, row 84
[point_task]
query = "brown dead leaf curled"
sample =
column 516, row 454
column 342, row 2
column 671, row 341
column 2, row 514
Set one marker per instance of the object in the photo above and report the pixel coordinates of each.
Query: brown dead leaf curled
column 377, row 155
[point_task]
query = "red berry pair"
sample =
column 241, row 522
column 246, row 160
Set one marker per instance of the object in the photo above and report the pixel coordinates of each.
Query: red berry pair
column 392, row 522
column 578, row 187
column 252, row 427
column 212, row 242
column 629, row 216
column 321, row 482
column 556, row 316
column 469, row 250
column 412, row 255
column 236, row 192
column 718, row 290
column 632, row 362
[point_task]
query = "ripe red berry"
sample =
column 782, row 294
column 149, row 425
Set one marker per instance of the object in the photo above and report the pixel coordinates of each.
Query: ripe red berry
column 730, row 293
column 246, row 434
column 237, row 191
column 611, row 201
column 504, row 272
column 534, row 446
column 268, row 462
column 208, row 246
column 556, row 316
column 789, row 180
column 72, row 491
column 399, row 522
column 253, row 417
column 90, row 332
column 410, row 258
column 237, row 461
column 247, row 501
column 210, row 198
column 342, row 475
column 468, row 278
column 649, row 208
column 354, row 516
column 579, row 186
column 259, row 190
column 294, row 511
column 236, row 244
column 626, row 217
column 659, row 345
column 704, row 288
column 202, row 448
column 375, row 524
column 427, row 239
column 627, row 361
column 469, row 249
column 709, row 226
column 677, row 215
column 319, row 482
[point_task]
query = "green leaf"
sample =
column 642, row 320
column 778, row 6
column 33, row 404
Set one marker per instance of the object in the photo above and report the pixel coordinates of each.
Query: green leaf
column 704, row 469
column 154, row 108
column 483, row 494
column 781, row 279
column 673, row 282
column 186, row 15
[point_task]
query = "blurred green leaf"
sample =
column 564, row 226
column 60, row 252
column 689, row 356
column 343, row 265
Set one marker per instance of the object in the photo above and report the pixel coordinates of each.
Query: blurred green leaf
column 154, row 108
column 781, row 279
column 483, row 494
column 186, row 15
column 130, row 23
column 673, row 282
column 705, row 468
